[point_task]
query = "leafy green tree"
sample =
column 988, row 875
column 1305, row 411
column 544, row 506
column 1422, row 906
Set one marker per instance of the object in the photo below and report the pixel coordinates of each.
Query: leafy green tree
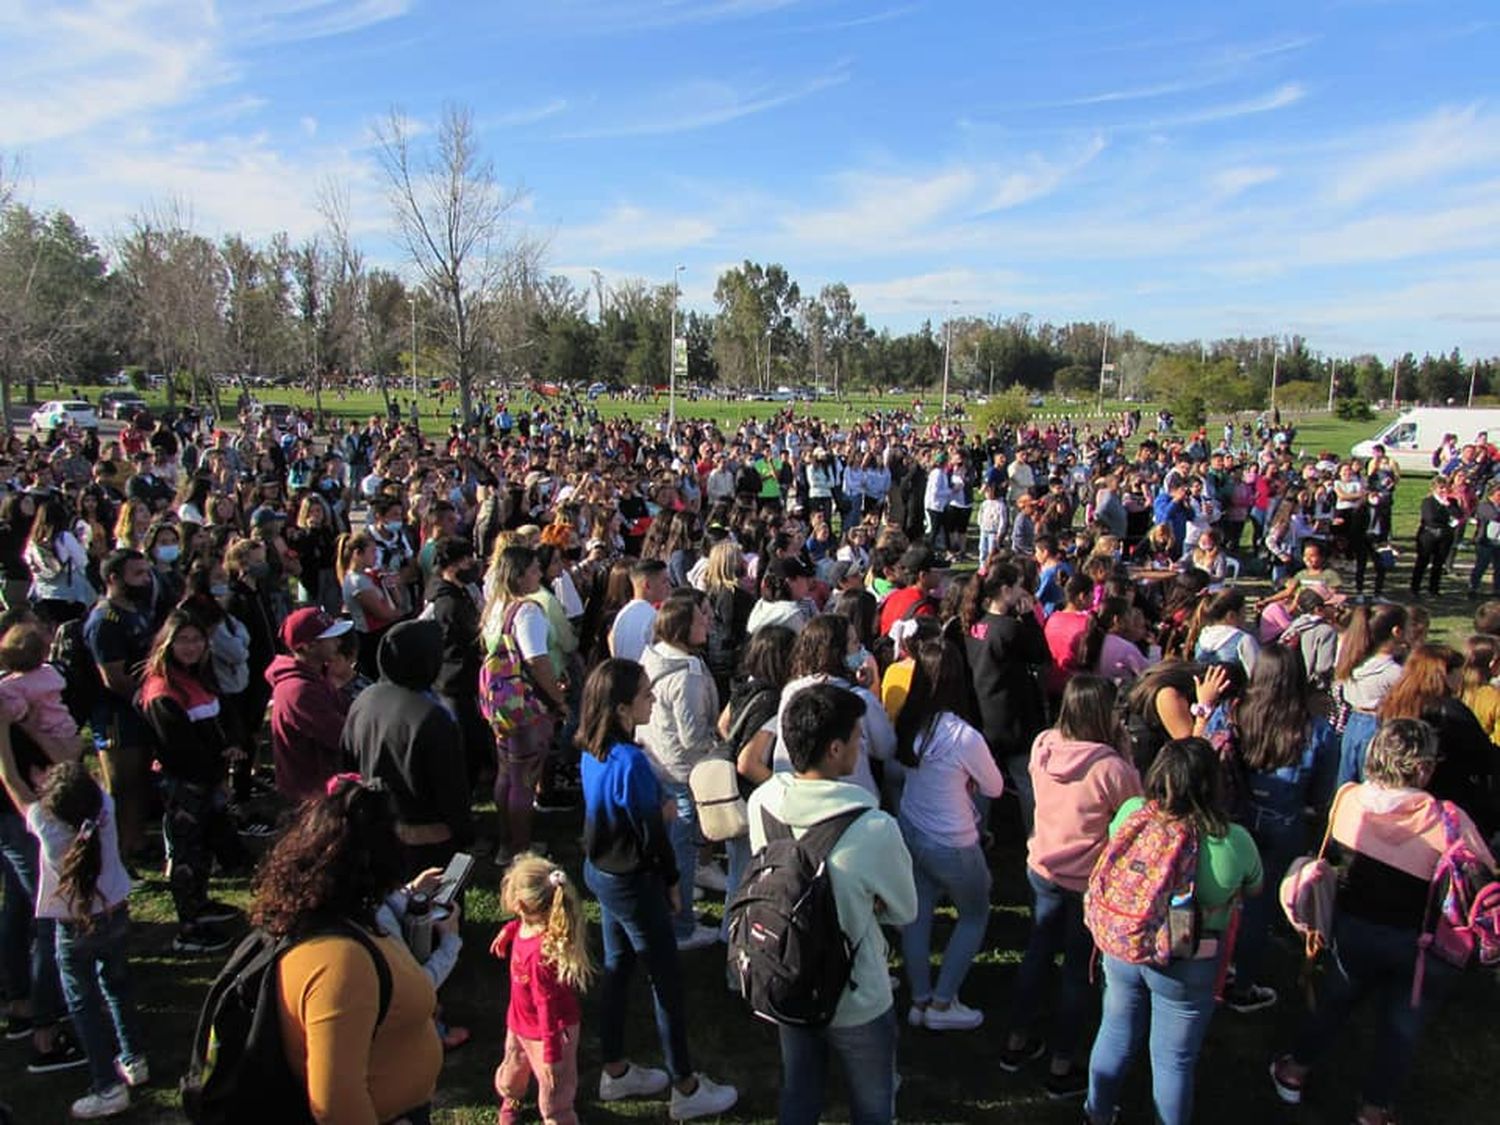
column 756, row 328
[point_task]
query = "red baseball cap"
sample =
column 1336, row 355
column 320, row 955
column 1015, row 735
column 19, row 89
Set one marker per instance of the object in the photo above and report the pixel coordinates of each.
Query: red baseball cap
column 304, row 626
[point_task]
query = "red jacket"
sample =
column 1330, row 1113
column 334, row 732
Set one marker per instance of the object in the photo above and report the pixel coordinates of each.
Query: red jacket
column 541, row 1006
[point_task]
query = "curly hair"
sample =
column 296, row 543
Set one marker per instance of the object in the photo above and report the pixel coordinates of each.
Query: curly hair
column 340, row 858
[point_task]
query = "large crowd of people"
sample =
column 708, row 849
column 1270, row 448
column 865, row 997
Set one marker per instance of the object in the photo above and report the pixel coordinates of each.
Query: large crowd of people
column 328, row 648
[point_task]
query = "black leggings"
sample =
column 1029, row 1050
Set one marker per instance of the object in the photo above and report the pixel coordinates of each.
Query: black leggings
column 1432, row 552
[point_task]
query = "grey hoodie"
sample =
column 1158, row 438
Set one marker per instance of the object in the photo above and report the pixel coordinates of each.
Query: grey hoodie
column 1367, row 685
column 683, row 712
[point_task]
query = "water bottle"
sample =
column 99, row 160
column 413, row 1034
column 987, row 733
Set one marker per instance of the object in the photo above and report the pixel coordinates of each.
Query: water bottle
column 419, row 926
column 1182, row 923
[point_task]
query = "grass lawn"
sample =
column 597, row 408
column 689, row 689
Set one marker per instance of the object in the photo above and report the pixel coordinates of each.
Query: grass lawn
column 947, row 1078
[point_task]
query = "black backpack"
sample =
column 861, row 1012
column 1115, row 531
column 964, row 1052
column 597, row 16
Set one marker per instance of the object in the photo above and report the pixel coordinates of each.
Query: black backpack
column 786, row 947
column 238, row 1072
column 70, row 655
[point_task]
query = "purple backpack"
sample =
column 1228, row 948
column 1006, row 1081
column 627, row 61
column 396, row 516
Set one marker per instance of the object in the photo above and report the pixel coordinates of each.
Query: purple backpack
column 1462, row 926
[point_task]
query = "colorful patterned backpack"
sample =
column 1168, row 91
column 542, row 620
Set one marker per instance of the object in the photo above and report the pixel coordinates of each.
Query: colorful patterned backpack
column 505, row 699
column 1141, row 903
column 1463, row 907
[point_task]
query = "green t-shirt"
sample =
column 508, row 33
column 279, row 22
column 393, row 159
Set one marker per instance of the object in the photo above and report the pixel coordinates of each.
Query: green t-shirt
column 1227, row 865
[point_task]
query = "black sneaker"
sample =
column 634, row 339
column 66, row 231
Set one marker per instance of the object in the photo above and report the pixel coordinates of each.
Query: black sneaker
column 215, row 911
column 64, row 1056
column 1073, row 1084
column 197, row 938
column 1250, row 999
column 18, row 1027
column 1029, row 1051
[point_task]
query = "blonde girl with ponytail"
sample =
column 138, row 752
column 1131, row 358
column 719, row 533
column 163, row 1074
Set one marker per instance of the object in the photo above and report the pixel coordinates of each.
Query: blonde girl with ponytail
column 547, row 946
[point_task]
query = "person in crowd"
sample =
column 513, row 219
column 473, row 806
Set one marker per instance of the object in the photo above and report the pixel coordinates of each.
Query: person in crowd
column 84, row 891
column 633, row 624
column 1218, row 634
column 522, row 752
column 164, row 549
column 367, row 598
column 917, row 595
column 680, row 734
column 1066, row 629
column 1478, row 692
column 17, row 515
column 60, row 587
column 332, row 871
column 1111, row 646
column 1007, row 650
column 1440, row 517
column 1290, row 756
column 546, row 944
column 307, row 713
column 1386, row 834
column 1082, row 776
column 630, row 867
column 1369, row 664
column 1174, row 1003
column 194, row 747
column 118, row 635
column 947, row 762
column 1315, row 635
column 870, row 871
column 783, row 596
column 452, row 603
column 404, row 738
column 314, row 540
column 729, row 604
column 31, row 692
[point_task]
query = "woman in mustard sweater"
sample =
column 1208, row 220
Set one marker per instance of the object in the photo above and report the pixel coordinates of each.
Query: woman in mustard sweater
column 332, row 871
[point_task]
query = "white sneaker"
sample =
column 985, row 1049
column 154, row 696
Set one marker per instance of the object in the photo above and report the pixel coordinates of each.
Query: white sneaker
column 711, row 877
column 636, row 1082
column 917, row 1016
column 112, row 1101
column 700, row 938
column 955, row 1017
column 134, row 1073
column 708, row 1100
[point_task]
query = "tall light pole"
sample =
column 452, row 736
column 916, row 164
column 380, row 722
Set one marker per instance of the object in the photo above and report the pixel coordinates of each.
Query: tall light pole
column 1473, row 374
column 413, row 302
column 768, row 360
column 672, row 357
column 947, row 354
column 1333, row 381
column 1275, row 370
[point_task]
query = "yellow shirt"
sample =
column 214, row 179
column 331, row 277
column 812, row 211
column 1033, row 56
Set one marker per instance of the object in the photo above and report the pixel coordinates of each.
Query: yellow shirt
column 895, row 686
column 330, row 997
column 1484, row 701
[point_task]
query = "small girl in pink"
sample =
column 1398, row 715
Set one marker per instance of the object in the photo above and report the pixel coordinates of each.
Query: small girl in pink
column 547, row 944
column 31, row 693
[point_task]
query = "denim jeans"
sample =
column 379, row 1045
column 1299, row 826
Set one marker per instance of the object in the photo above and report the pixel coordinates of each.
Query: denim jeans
column 964, row 876
column 866, row 1051
column 1358, row 731
column 1175, row 1005
column 1018, row 781
column 683, row 832
column 737, row 852
column 1280, row 837
column 1485, row 558
column 93, row 967
column 1056, row 924
column 637, row 922
column 30, row 963
column 1371, row 960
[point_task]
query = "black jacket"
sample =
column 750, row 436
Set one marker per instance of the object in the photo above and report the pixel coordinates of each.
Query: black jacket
column 402, row 736
column 1005, row 662
column 453, row 608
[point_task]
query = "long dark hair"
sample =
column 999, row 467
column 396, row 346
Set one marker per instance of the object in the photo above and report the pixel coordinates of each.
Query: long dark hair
column 821, row 646
column 1366, row 634
column 613, row 683
column 1087, row 712
column 859, row 608
column 1275, row 714
column 72, row 796
column 1090, row 644
column 339, row 860
column 1186, row 783
column 939, row 683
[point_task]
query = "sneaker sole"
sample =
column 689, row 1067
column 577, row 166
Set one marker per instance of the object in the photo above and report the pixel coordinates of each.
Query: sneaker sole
column 49, row 1068
column 1290, row 1095
column 1015, row 1067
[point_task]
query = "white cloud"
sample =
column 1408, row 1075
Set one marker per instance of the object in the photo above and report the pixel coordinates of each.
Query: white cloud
column 294, row 21
column 629, row 229
column 1453, row 139
column 524, row 115
column 1229, row 182
column 1287, row 94
column 309, row 125
column 1040, row 177
column 701, row 104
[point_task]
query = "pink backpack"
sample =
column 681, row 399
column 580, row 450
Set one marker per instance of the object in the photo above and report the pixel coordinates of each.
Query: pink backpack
column 1141, row 901
column 1463, row 907
column 506, row 699
column 1310, row 889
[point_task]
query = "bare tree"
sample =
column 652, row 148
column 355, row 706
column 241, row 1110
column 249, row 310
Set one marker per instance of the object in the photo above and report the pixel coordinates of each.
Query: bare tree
column 454, row 220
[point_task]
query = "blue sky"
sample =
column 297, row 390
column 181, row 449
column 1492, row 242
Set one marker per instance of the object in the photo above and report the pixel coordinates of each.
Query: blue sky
column 1328, row 167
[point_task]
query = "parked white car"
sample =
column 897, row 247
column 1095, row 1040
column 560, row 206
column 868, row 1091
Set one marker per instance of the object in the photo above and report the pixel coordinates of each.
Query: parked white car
column 55, row 415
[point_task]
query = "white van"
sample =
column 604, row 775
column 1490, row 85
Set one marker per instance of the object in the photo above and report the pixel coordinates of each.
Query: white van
column 1411, row 439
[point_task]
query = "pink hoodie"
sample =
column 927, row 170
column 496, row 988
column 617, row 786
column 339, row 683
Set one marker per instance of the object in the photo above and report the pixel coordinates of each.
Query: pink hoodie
column 1079, row 787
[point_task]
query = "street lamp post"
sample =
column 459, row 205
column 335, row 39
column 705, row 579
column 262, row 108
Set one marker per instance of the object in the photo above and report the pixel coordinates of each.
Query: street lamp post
column 412, row 301
column 672, row 356
column 947, row 356
column 768, row 360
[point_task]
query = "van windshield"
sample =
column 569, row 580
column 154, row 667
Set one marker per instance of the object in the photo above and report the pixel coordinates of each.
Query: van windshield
column 1403, row 435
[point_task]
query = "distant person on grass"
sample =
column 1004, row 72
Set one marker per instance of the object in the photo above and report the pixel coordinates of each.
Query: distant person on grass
column 871, row 873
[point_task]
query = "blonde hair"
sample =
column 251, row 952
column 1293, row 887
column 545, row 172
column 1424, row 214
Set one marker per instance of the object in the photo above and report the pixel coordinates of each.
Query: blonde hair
column 725, row 564
column 533, row 887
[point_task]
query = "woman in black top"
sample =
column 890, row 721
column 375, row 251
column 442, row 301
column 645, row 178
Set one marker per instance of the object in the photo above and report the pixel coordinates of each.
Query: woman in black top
column 17, row 511
column 1440, row 515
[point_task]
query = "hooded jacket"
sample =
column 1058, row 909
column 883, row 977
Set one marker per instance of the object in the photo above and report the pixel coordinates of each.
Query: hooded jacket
column 307, row 720
column 1369, row 682
column 401, row 735
column 685, row 707
column 870, row 862
column 452, row 606
column 1079, row 788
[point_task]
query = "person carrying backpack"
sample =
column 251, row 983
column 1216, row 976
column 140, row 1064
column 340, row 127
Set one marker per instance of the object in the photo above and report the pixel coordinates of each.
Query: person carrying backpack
column 869, row 877
column 1388, row 839
column 1160, row 905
